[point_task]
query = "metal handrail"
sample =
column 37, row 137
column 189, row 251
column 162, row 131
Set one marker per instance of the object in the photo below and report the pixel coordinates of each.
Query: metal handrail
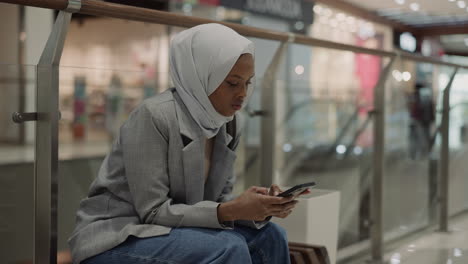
column 100, row 8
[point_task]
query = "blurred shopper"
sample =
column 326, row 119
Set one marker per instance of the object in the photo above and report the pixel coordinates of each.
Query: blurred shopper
column 421, row 109
column 163, row 193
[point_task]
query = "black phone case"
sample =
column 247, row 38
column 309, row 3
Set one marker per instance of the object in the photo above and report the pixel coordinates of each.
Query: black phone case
column 296, row 189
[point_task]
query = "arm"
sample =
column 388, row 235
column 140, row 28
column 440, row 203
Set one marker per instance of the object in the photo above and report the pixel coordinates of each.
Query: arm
column 228, row 208
column 145, row 148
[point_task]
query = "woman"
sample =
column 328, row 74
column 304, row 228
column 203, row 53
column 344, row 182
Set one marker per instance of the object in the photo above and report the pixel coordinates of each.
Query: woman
column 163, row 193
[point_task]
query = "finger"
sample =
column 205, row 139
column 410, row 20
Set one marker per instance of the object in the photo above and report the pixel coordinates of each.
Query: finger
column 275, row 190
column 276, row 199
column 283, row 214
column 278, row 212
column 282, row 207
column 261, row 190
column 307, row 191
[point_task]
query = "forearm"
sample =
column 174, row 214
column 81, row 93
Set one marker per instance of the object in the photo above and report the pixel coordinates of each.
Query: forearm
column 201, row 214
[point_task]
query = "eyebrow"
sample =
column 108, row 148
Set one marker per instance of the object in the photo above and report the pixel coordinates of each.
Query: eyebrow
column 240, row 77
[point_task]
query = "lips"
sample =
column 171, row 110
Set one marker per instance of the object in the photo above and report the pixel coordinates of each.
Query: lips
column 237, row 106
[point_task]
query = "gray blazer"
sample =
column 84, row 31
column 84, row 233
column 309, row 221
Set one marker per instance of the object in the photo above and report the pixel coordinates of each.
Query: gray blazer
column 151, row 182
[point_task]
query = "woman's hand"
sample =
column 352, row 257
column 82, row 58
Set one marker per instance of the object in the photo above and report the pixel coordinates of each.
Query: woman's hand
column 255, row 204
column 275, row 190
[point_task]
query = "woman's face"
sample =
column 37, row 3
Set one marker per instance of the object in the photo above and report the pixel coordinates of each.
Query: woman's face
column 227, row 99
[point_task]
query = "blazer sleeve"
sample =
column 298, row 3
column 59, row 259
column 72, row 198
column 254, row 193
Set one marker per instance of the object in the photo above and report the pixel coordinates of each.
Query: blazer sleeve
column 144, row 144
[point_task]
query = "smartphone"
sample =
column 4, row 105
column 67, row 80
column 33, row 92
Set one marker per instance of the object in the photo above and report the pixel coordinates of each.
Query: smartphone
column 293, row 191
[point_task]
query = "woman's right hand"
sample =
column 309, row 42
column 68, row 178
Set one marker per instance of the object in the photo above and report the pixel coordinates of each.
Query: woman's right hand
column 255, row 204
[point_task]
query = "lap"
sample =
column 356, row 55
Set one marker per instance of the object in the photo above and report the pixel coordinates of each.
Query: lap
column 189, row 245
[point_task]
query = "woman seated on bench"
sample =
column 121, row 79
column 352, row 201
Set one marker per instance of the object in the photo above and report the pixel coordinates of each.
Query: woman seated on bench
column 163, row 193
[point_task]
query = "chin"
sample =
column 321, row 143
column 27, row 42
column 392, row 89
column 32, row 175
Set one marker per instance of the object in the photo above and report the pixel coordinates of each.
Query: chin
column 229, row 113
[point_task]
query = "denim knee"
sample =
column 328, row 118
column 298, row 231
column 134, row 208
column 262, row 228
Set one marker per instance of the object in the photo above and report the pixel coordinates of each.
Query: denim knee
column 235, row 248
column 276, row 232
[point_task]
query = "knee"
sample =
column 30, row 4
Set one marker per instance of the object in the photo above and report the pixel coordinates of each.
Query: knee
column 233, row 241
column 276, row 232
column 235, row 247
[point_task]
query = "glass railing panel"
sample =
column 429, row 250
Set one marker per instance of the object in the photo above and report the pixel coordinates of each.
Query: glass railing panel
column 17, row 152
column 458, row 142
column 410, row 177
column 324, row 132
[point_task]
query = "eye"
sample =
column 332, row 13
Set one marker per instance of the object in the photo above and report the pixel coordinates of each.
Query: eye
column 232, row 84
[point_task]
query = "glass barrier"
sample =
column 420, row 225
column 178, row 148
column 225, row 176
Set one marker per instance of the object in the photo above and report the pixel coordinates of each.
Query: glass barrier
column 410, row 179
column 17, row 145
column 458, row 179
column 324, row 133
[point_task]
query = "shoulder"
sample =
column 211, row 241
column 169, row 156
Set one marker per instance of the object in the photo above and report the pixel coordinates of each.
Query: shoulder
column 161, row 107
column 160, row 103
column 159, row 110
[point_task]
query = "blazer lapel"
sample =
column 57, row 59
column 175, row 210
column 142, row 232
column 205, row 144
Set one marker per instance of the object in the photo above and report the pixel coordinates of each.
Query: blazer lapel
column 192, row 154
column 222, row 161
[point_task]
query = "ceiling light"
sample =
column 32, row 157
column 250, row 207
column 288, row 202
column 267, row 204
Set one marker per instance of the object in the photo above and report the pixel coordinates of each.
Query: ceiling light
column 461, row 4
column 451, row 0
column 414, row 6
column 400, row 2
column 299, row 69
column 341, row 149
column 406, row 76
column 397, row 75
column 318, row 9
column 357, row 150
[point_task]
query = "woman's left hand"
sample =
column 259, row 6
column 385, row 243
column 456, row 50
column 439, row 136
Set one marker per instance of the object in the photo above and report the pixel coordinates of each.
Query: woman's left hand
column 274, row 191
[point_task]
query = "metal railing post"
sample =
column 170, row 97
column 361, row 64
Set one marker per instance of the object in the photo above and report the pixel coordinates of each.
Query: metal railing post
column 268, row 131
column 444, row 158
column 376, row 227
column 46, row 165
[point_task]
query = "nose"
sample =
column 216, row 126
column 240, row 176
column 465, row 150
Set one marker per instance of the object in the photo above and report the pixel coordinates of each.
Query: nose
column 243, row 91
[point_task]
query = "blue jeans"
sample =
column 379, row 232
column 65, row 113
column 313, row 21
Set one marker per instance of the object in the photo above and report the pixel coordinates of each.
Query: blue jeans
column 242, row 245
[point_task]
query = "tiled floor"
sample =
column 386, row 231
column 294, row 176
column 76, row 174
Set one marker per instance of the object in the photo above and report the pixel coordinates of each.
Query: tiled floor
column 436, row 247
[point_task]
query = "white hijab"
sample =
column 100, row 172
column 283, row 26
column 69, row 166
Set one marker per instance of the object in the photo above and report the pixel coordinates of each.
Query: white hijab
column 200, row 59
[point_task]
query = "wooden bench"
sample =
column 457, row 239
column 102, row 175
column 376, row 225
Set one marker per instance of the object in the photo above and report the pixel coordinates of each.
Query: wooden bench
column 308, row 254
